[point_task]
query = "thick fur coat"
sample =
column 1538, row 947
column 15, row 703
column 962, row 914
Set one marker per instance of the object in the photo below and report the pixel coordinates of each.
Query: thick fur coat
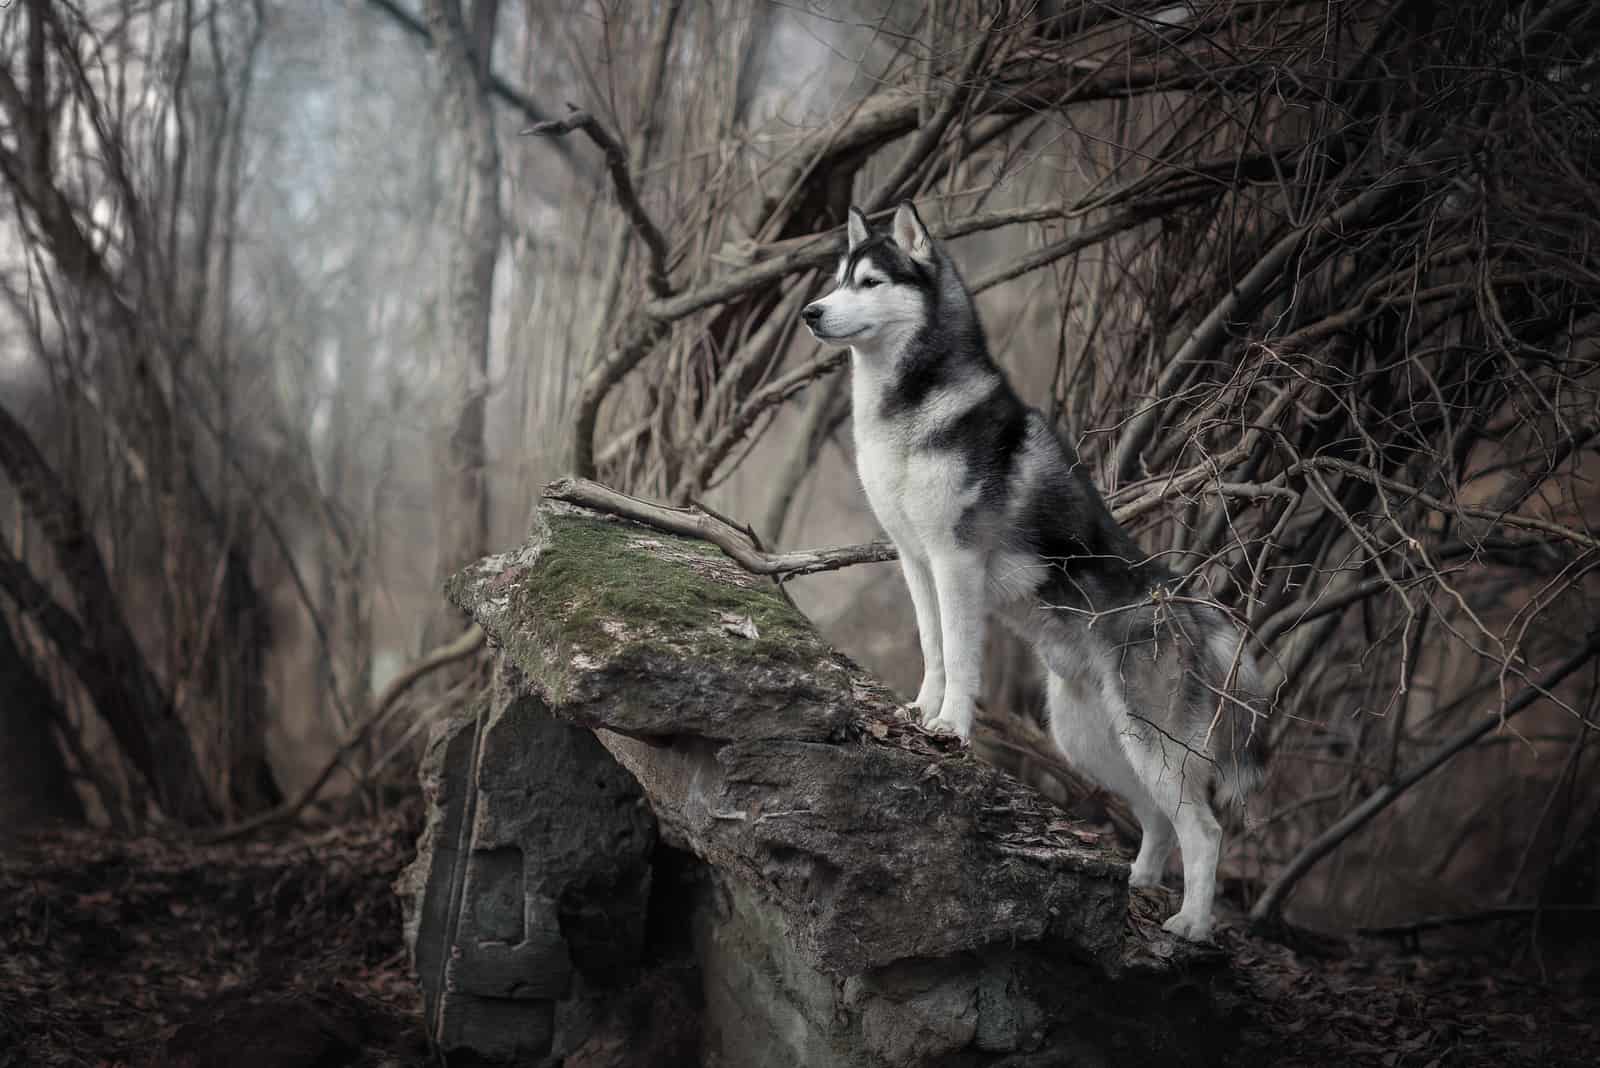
column 1153, row 696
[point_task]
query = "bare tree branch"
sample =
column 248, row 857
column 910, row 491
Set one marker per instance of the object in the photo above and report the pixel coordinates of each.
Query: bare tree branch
column 1267, row 906
column 694, row 522
column 622, row 182
column 1212, row 330
column 530, row 111
column 129, row 697
column 461, row 647
column 928, row 135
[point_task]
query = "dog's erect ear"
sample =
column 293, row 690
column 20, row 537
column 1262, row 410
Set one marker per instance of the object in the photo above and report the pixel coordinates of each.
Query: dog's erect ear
column 911, row 235
column 857, row 228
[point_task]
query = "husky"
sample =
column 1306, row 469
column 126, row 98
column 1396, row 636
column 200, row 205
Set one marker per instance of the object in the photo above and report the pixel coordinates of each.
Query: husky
column 1151, row 695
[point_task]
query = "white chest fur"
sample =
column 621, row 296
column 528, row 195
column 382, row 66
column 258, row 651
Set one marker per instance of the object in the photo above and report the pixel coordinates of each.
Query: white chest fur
column 882, row 459
column 918, row 493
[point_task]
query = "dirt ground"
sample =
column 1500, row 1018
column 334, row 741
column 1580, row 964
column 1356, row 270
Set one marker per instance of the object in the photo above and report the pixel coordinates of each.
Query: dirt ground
column 287, row 951
column 150, row 952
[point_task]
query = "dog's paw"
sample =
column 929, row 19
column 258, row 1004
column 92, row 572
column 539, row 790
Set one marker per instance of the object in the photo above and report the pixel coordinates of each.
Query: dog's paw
column 1188, row 927
column 940, row 725
column 1144, row 880
column 929, row 699
column 954, row 719
column 911, row 712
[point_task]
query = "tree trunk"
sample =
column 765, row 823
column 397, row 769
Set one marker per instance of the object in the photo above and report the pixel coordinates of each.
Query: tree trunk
column 461, row 492
column 101, row 646
column 35, row 788
column 242, row 656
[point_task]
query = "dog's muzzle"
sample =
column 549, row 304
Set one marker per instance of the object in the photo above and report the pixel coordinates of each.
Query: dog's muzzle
column 813, row 314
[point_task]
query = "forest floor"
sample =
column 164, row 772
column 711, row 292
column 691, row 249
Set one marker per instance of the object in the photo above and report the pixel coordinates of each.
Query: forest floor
column 148, row 952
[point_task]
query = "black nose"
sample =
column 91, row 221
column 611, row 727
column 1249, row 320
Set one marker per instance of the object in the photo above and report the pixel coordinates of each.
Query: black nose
column 812, row 313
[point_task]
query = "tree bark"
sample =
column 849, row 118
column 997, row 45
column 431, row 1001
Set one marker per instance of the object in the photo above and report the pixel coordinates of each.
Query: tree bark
column 125, row 690
column 463, row 46
column 241, row 658
column 35, row 788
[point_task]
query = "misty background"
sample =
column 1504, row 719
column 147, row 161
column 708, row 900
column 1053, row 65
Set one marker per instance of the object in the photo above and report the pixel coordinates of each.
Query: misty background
column 296, row 319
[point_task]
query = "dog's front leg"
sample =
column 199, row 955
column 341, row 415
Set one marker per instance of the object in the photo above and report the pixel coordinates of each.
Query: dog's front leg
column 961, row 579
column 925, row 599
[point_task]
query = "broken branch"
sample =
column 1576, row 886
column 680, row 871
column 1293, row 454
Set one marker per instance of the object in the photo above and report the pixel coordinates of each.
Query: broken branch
column 694, row 522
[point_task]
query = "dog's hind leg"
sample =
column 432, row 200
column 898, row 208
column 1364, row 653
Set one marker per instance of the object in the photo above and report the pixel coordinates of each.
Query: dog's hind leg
column 1083, row 730
column 1176, row 781
column 1156, row 839
column 1200, row 841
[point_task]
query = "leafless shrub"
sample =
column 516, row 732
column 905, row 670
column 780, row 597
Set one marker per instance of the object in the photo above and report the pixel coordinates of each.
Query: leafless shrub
column 1327, row 325
column 1311, row 286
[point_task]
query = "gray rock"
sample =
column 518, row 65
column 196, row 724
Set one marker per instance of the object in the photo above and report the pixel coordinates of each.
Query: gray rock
column 917, row 1010
column 787, row 764
column 862, row 893
column 531, row 881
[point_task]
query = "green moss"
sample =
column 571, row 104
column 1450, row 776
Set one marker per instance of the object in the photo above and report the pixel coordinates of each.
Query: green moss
column 594, row 591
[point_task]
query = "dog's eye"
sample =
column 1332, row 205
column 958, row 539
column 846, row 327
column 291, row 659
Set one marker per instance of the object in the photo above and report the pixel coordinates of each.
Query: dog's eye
column 868, row 283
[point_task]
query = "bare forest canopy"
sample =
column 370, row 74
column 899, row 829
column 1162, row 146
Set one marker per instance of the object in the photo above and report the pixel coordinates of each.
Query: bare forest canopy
column 301, row 301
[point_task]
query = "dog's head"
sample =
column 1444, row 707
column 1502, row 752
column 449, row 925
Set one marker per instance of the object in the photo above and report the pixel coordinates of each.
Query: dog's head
column 883, row 287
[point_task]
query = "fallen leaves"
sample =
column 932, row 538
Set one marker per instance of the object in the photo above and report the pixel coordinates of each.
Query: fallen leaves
column 106, row 945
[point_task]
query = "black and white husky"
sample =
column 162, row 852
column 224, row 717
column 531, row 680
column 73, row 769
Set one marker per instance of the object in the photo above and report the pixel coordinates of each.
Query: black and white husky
column 1154, row 697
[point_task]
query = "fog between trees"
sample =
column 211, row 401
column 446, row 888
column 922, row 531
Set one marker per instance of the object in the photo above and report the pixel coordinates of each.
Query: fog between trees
column 296, row 320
